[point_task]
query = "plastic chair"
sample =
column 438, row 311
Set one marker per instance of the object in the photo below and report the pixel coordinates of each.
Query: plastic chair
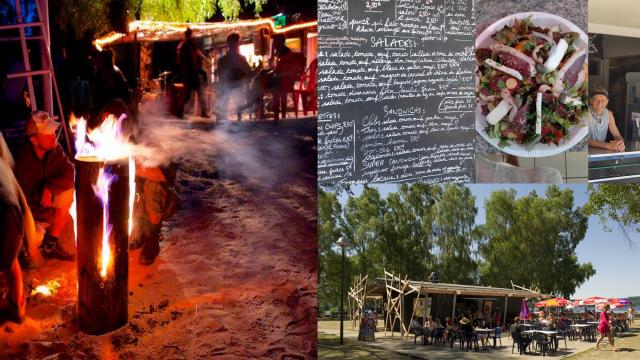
column 497, row 335
column 306, row 89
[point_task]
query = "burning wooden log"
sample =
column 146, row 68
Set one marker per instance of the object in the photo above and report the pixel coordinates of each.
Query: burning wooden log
column 102, row 211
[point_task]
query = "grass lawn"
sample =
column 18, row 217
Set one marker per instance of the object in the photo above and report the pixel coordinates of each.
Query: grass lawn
column 629, row 349
column 329, row 348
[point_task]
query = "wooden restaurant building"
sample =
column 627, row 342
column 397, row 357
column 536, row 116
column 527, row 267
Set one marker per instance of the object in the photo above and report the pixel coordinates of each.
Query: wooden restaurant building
column 402, row 299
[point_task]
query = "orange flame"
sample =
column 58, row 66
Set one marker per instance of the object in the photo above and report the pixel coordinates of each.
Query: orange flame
column 101, row 189
column 74, row 215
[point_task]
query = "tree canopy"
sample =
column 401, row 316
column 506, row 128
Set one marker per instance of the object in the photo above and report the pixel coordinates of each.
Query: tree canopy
column 532, row 240
column 419, row 228
column 617, row 202
column 72, row 15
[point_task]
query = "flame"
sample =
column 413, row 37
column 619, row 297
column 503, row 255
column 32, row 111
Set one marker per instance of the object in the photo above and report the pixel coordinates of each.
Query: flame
column 106, row 142
column 101, row 188
column 74, row 215
column 46, row 289
column 132, row 190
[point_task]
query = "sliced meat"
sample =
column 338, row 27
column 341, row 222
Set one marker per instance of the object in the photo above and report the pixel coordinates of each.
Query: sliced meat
column 519, row 121
column 482, row 54
column 514, row 59
column 572, row 72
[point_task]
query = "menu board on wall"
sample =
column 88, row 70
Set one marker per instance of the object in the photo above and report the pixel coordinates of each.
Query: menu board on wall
column 396, row 91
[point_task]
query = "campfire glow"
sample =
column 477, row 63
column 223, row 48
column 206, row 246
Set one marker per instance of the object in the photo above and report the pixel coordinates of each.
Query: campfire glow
column 46, row 289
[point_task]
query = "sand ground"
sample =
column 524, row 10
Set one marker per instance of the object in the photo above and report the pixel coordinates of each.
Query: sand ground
column 236, row 276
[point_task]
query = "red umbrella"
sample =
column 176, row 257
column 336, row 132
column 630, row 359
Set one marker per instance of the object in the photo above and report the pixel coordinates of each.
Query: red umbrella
column 594, row 300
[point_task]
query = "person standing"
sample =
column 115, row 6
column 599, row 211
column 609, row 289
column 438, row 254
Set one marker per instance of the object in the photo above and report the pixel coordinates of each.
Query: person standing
column 289, row 66
column 190, row 58
column 109, row 83
column 233, row 71
column 46, row 177
column 605, row 329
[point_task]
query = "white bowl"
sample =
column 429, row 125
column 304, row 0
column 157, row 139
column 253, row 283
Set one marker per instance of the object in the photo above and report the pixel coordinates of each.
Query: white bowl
column 576, row 132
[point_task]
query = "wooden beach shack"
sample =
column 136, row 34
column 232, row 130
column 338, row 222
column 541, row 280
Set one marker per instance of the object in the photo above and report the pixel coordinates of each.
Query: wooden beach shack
column 147, row 52
column 402, row 298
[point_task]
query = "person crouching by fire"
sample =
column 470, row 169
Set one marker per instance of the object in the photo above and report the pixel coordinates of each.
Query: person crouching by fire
column 16, row 224
column 46, row 177
column 157, row 201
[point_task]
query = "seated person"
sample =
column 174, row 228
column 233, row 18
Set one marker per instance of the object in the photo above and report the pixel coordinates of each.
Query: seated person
column 469, row 333
column 449, row 329
column 415, row 323
column 418, row 329
column 46, row 177
column 601, row 122
column 517, row 328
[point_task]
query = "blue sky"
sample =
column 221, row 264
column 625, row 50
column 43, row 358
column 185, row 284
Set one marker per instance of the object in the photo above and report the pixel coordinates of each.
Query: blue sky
column 612, row 257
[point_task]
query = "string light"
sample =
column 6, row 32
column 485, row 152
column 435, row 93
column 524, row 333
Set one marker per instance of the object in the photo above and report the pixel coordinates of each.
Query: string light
column 163, row 29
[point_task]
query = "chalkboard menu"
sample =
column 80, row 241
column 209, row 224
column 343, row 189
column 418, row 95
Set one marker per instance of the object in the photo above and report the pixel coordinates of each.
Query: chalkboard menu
column 396, row 91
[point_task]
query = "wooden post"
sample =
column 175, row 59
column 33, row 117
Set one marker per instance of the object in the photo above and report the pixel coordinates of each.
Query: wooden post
column 504, row 319
column 453, row 310
column 102, row 302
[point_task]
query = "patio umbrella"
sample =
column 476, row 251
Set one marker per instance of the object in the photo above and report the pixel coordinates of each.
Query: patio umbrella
column 574, row 304
column 600, row 307
column 524, row 310
column 619, row 301
column 557, row 302
column 594, row 300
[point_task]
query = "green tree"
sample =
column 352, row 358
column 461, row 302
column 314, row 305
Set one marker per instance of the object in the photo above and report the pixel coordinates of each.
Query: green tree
column 363, row 217
column 406, row 241
column 617, row 202
column 73, row 14
column 195, row 10
column 532, row 240
column 456, row 236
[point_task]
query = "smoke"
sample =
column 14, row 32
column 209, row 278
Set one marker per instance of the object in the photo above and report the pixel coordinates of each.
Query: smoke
column 207, row 147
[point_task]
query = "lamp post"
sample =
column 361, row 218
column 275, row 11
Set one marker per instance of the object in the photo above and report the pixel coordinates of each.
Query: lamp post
column 342, row 243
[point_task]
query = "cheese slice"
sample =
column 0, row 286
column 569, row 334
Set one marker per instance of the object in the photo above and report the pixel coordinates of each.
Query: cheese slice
column 499, row 112
column 555, row 55
column 539, row 114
